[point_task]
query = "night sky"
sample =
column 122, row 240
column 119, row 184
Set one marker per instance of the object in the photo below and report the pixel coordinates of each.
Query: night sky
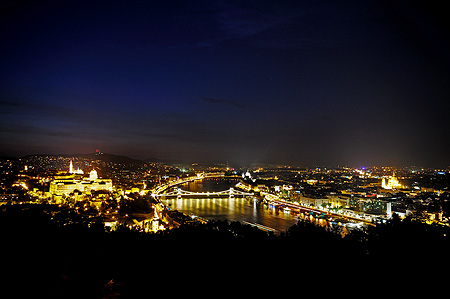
column 355, row 83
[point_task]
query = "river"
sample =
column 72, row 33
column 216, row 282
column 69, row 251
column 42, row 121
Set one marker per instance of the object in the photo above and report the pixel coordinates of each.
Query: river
column 244, row 210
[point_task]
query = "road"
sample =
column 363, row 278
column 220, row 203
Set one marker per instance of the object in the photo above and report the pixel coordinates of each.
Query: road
column 273, row 199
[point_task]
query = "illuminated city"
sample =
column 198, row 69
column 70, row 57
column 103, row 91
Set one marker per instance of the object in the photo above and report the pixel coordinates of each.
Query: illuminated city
column 157, row 145
column 137, row 193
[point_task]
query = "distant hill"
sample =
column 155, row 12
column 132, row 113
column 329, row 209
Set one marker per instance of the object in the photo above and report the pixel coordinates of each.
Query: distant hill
column 5, row 158
column 105, row 157
column 164, row 161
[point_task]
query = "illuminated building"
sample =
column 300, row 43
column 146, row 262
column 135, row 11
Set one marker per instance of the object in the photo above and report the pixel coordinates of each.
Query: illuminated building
column 155, row 220
column 392, row 183
column 93, row 175
column 66, row 184
column 155, row 224
column 75, row 171
column 371, row 206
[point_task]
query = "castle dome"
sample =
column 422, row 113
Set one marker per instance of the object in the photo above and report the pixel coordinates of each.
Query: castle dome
column 93, row 175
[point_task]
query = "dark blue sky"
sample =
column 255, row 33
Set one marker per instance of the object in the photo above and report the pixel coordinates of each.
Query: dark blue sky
column 304, row 82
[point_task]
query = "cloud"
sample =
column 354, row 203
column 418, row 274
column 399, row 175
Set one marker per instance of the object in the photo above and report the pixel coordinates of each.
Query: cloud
column 222, row 102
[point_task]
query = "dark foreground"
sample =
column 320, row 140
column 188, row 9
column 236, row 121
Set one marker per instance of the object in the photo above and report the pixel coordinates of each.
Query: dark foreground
column 55, row 253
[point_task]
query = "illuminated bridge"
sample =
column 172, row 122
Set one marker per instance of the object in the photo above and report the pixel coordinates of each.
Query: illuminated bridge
column 200, row 176
column 179, row 193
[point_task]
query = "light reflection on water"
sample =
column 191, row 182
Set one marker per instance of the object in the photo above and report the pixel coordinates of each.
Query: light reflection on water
column 233, row 209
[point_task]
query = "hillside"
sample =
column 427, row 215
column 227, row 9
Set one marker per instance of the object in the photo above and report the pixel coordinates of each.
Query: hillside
column 105, row 157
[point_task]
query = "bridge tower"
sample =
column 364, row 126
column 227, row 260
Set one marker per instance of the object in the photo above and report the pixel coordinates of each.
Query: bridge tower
column 178, row 193
column 231, row 192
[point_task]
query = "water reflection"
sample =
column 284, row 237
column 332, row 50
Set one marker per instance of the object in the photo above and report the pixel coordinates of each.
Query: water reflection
column 234, row 209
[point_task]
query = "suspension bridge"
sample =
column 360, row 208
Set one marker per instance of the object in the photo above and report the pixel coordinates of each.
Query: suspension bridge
column 179, row 193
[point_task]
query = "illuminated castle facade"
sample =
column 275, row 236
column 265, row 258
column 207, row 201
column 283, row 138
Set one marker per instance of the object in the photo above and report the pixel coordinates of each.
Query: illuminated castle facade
column 74, row 180
column 75, row 171
column 392, row 183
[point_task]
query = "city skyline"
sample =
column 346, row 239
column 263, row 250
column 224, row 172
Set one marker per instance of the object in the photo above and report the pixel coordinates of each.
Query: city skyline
column 303, row 83
column 95, row 224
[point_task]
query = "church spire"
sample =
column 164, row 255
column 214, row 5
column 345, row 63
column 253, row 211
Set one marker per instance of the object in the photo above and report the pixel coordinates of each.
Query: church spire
column 71, row 167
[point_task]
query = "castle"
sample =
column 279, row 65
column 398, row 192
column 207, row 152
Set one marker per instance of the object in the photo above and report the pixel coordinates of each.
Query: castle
column 74, row 180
